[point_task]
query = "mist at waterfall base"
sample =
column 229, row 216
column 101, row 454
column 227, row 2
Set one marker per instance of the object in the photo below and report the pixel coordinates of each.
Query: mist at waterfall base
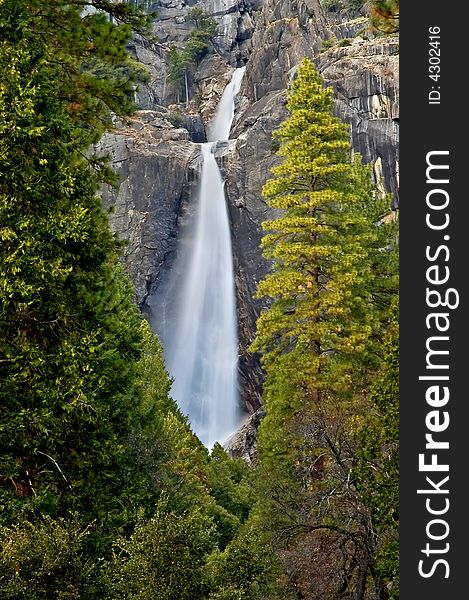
column 198, row 325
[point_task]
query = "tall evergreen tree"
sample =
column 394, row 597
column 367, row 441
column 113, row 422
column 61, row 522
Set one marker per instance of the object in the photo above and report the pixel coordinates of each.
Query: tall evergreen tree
column 70, row 333
column 326, row 247
column 330, row 288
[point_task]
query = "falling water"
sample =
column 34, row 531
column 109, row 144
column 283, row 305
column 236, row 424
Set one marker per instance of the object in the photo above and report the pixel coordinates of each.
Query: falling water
column 219, row 128
column 202, row 347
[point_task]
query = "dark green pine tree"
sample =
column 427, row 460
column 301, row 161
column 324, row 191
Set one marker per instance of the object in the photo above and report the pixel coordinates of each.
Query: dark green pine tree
column 87, row 42
column 334, row 274
column 70, row 333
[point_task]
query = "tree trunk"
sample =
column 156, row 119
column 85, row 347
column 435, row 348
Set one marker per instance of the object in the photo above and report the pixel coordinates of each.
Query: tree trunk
column 187, row 88
column 362, row 573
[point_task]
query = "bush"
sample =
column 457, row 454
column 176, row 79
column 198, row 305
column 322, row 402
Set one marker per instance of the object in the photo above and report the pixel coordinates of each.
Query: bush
column 45, row 561
column 164, row 559
column 176, row 118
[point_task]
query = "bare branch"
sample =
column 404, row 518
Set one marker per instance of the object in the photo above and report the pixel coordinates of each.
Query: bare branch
column 57, row 465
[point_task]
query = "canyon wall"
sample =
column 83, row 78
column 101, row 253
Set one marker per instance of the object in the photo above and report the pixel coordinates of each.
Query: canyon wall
column 157, row 154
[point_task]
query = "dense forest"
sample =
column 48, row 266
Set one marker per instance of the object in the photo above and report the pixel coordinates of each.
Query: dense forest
column 106, row 493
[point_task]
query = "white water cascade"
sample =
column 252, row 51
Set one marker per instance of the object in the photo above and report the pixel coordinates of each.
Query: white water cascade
column 202, row 347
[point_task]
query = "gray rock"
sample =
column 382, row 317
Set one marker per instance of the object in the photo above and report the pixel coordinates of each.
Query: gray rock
column 285, row 33
column 364, row 74
column 153, row 56
column 245, row 28
column 157, row 169
column 196, row 128
column 365, row 78
column 212, row 76
column 243, row 443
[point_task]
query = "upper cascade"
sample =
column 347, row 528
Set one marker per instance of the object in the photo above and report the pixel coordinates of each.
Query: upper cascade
column 219, row 128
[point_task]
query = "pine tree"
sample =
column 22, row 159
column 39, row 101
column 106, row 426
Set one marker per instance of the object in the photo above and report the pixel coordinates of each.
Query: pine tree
column 325, row 245
column 384, row 16
column 70, row 333
column 333, row 277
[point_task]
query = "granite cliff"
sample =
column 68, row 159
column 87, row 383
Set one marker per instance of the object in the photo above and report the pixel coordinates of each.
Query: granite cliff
column 157, row 155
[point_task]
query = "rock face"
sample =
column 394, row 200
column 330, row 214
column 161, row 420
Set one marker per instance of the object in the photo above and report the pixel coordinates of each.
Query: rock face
column 154, row 58
column 157, row 165
column 236, row 25
column 243, row 444
column 365, row 78
column 157, row 156
column 211, row 78
column 286, row 32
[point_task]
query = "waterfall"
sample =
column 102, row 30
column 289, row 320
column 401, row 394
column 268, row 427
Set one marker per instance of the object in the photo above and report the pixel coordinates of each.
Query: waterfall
column 200, row 341
column 219, row 128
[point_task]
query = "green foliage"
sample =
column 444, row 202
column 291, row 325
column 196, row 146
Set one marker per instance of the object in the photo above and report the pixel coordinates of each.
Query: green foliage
column 229, row 482
column 197, row 45
column 205, row 30
column 176, row 118
column 45, row 561
column 334, row 275
column 69, row 328
column 376, row 473
column 96, row 75
column 246, row 569
column 71, row 336
column 177, row 64
column 163, row 559
column 349, row 8
column 384, row 16
column 324, row 246
column 231, row 488
column 329, row 43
